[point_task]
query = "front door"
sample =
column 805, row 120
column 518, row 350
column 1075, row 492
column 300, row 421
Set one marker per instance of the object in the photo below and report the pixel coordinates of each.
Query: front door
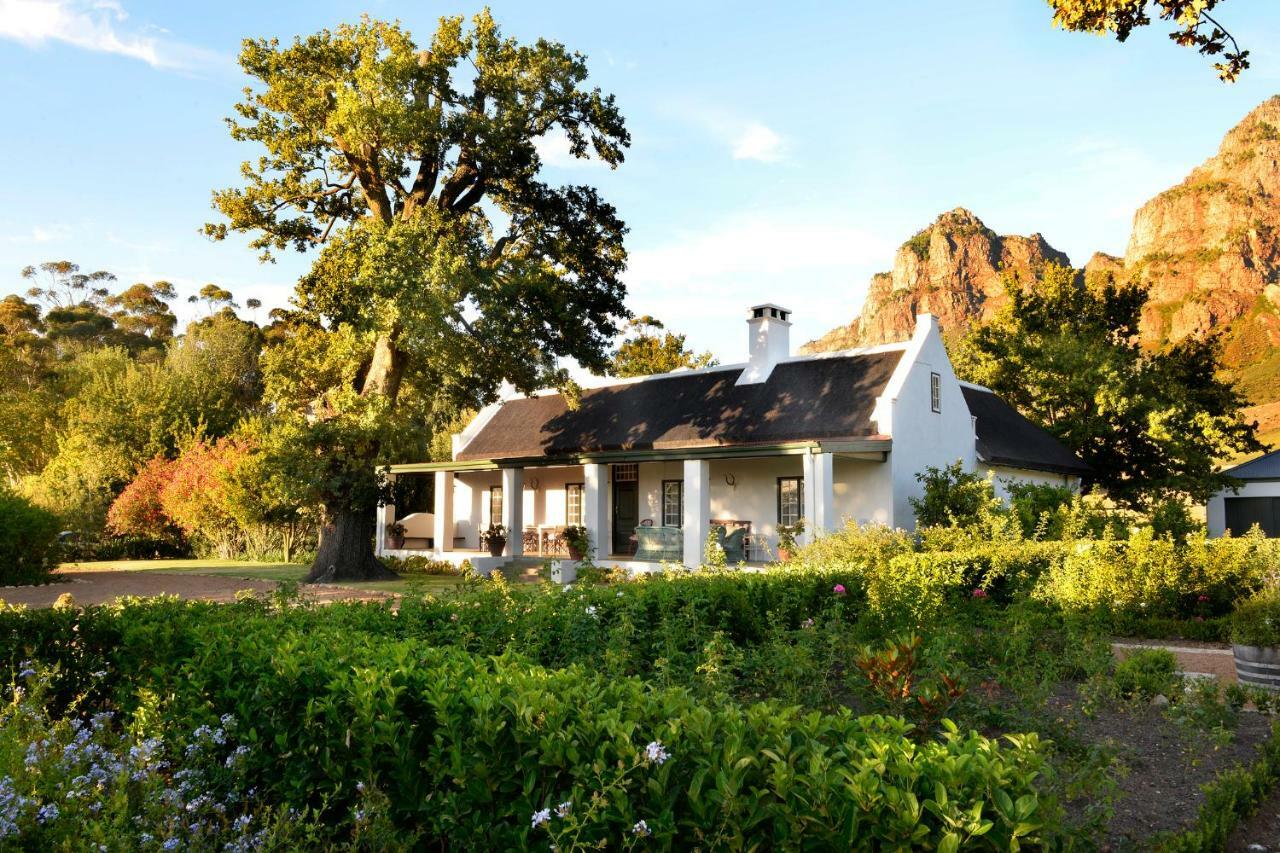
column 626, row 514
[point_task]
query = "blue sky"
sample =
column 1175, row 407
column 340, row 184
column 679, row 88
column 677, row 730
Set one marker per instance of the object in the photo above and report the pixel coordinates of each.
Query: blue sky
column 781, row 150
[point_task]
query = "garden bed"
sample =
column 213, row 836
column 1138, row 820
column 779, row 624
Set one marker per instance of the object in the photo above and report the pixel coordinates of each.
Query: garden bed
column 1159, row 767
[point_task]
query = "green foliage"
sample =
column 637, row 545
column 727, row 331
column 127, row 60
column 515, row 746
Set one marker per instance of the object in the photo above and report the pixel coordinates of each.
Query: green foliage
column 1150, row 576
column 1041, row 508
column 1147, row 673
column 1065, row 353
column 953, row 497
column 425, row 566
column 28, row 541
column 1256, row 621
column 488, row 741
column 1193, row 26
column 447, row 266
column 1232, row 796
column 647, row 349
column 82, row 781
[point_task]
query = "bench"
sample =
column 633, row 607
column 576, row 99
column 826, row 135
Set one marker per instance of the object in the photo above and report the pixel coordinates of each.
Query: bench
column 659, row 543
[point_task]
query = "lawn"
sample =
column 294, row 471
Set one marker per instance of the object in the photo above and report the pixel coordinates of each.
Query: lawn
column 251, row 570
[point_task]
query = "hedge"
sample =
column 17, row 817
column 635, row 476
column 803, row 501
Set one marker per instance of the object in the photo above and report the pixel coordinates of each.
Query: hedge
column 28, row 541
column 468, row 748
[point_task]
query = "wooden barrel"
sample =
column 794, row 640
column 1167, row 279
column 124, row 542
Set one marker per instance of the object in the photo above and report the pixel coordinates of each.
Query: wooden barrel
column 1258, row 666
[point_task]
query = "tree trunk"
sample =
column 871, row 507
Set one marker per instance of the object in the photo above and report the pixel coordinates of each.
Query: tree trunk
column 346, row 536
column 346, row 552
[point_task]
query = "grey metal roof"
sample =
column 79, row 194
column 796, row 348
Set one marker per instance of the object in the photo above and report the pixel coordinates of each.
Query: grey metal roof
column 1005, row 437
column 1265, row 467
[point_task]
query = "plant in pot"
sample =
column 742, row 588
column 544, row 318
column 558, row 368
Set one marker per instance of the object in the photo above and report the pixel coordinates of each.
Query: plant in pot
column 1255, row 640
column 395, row 535
column 495, row 539
column 787, row 534
column 577, row 541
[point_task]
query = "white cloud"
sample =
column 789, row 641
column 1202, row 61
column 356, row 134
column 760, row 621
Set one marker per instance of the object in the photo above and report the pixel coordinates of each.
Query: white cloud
column 38, row 235
column 816, row 262
column 553, row 148
column 96, row 25
column 757, row 142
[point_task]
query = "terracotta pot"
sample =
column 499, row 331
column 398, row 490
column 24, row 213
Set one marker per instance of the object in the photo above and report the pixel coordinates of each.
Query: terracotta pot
column 397, row 542
column 496, row 547
column 783, row 555
column 575, row 553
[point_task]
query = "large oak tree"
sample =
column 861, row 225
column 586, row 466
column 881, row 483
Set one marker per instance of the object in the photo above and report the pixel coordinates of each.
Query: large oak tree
column 447, row 265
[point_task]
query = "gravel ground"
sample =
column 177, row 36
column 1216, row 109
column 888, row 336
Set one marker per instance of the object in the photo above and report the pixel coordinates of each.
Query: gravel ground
column 105, row 587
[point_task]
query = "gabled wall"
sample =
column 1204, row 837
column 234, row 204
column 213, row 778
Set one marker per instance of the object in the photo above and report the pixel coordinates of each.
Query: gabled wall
column 921, row 436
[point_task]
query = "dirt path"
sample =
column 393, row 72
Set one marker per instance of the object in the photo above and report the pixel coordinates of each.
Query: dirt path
column 1198, row 659
column 104, row 587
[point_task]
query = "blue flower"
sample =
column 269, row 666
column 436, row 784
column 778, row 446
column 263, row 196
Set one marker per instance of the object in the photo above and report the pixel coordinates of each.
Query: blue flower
column 541, row 817
column 656, row 752
column 47, row 812
column 642, row 829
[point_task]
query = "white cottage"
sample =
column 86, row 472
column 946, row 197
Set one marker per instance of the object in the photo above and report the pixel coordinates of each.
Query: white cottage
column 650, row 465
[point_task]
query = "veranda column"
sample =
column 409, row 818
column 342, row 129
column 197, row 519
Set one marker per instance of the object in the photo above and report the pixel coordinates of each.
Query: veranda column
column 595, row 506
column 819, row 495
column 384, row 516
column 513, row 510
column 697, row 509
column 442, row 535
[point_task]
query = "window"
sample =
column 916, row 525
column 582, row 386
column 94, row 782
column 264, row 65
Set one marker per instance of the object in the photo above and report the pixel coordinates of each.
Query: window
column 573, row 504
column 626, row 472
column 495, row 505
column 673, row 503
column 790, row 500
column 935, row 392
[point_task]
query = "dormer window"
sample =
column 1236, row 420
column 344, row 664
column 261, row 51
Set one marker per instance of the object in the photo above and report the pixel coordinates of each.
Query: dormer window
column 935, row 392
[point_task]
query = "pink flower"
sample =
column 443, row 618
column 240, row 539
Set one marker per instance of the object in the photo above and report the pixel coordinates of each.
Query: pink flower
column 808, row 623
column 838, row 589
column 979, row 593
column 1202, row 599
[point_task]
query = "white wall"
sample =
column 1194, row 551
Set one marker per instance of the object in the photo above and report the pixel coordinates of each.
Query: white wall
column 1023, row 475
column 921, row 436
column 863, row 492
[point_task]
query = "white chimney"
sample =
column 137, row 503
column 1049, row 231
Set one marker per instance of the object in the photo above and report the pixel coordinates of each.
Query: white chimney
column 768, row 342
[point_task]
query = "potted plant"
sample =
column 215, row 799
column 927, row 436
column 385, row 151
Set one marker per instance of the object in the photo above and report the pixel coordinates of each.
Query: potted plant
column 577, row 541
column 1255, row 640
column 495, row 539
column 787, row 534
column 395, row 535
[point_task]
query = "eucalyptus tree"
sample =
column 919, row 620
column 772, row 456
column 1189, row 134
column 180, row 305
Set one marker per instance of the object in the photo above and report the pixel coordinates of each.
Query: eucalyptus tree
column 446, row 263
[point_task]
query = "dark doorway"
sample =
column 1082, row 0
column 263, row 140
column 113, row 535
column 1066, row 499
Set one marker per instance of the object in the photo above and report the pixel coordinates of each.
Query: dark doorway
column 1244, row 513
column 626, row 514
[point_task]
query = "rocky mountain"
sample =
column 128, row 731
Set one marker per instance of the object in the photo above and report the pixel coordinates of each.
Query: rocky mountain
column 1208, row 249
column 953, row 269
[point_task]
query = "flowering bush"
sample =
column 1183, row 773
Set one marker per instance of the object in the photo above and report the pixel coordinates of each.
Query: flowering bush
column 84, row 782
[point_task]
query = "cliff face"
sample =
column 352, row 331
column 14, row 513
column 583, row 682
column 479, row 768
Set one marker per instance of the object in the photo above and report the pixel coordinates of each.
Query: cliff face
column 1208, row 249
column 952, row 269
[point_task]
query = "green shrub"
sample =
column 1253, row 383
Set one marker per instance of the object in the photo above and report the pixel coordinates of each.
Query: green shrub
column 953, row 497
column 1153, row 576
column 470, row 748
column 28, row 541
column 1256, row 621
column 91, row 782
column 422, row 565
column 1040, row 508
column 1147, row 673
